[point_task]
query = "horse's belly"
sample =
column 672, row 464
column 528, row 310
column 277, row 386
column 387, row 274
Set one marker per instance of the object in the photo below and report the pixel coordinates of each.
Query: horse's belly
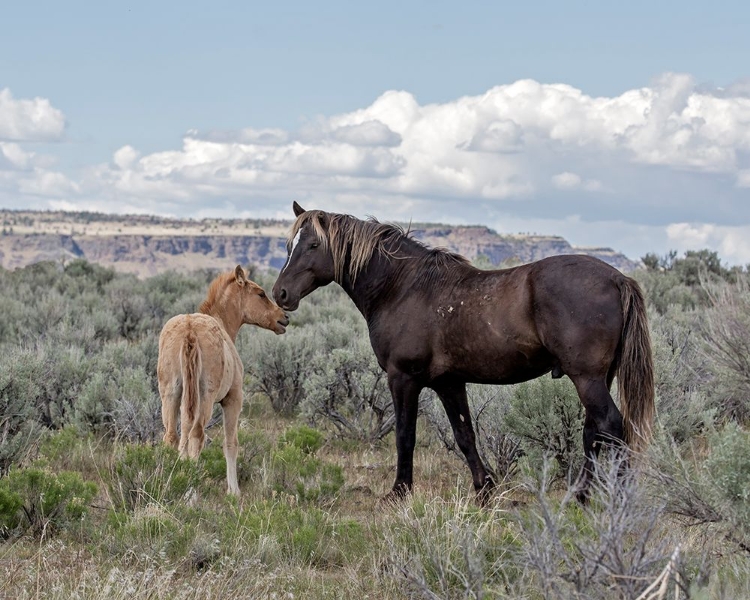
column 488, row 365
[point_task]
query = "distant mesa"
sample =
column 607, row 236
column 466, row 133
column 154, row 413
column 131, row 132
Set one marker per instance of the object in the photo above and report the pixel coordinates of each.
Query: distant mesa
column 148, row 245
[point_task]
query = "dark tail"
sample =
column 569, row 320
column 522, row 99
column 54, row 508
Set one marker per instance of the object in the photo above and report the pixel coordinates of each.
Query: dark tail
column 191, row 365
column 635, row 375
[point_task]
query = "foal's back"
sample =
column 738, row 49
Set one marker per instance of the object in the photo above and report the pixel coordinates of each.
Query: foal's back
column 221, row 364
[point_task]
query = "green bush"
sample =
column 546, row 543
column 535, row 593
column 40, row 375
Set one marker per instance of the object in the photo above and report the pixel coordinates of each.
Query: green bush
column 727, row 474
column 43, row 502
column 253, row 448
column 296, row 471
column 682, row 375
column 547, row 416
column 306, row 439
column 279, row 366
column 726, row 334
column 20, row 391
column 142, row 474
column 348, row 390
column 498, row 448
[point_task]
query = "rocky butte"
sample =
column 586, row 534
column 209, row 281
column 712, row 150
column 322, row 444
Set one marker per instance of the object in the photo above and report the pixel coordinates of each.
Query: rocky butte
column 147, row 245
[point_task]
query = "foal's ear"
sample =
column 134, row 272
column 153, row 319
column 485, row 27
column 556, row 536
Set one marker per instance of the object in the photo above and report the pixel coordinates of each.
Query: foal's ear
column 298, row 210
column 239, row 275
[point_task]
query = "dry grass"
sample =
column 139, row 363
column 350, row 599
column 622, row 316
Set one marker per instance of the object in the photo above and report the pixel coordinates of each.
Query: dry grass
column 271, row 544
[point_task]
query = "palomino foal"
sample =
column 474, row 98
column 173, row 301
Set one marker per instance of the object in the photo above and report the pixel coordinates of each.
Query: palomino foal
column 199, row 364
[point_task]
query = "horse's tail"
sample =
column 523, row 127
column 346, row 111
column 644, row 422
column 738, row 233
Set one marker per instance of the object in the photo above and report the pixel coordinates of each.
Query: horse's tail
column 635, row 375
column 191, row 365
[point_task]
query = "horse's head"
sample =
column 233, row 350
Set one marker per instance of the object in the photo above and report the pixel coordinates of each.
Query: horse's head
column 257, row 308
column 309, row 264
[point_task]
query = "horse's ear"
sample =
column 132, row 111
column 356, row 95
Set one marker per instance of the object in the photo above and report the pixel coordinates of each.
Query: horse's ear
column 298, row 210
column 239, row 275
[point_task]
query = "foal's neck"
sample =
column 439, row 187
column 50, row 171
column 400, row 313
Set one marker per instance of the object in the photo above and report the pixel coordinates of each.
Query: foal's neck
column 230, row 323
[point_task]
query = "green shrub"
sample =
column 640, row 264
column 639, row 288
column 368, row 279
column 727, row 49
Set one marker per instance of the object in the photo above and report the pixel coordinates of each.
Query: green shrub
column 682, row 375
column 152, row 534
column 285, row 533
column 38, row 500
column 727, row 471
column 498, row 448
column 348, row 390
column 306, row 439
column 280, row 366
column 142, row 474
column 253, row 448
column 726, row 334
column 547, row 416
column 296, row 471
column 20, row 391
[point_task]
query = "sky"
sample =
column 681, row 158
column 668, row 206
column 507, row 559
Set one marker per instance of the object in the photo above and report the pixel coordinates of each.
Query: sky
column 624, row 125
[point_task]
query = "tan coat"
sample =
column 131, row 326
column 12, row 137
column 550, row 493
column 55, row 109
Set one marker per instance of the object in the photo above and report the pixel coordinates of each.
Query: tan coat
column 199, row 364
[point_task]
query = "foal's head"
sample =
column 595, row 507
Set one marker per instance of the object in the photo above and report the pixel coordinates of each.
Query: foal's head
column 235, row 297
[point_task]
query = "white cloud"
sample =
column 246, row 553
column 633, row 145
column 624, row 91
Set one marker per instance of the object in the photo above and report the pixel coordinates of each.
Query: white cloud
column 627, row 169
column 731, row 242
column 125, row 157
column 29, row 120
column 512, row 143
column 573, row 181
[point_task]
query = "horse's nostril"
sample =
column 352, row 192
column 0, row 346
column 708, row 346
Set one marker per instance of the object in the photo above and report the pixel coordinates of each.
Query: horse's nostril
column 282, row 295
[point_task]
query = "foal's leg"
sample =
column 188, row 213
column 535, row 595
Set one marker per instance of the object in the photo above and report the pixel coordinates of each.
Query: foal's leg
column 405, row 392
column 232, row 406
column 455, row 402
column 603, row 424
column 170, row 393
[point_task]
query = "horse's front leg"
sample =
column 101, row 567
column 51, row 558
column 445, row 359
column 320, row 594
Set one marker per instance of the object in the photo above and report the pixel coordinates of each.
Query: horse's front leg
column 405, row 392
column 453, row 396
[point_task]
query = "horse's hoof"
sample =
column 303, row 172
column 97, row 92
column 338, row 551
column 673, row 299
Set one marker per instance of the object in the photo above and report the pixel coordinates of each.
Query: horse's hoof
column 484, row 493
column 394, row 497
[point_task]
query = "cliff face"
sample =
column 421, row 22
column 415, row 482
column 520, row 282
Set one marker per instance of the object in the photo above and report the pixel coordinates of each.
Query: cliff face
column 145, row 255
column 145, row 246
column 475, row 241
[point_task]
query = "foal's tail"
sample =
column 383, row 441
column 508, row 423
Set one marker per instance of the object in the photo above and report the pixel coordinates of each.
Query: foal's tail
column 191, row 366
column 636, row 370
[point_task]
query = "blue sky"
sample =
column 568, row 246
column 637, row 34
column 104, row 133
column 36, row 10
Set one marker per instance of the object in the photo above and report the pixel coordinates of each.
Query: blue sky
column 619, row 124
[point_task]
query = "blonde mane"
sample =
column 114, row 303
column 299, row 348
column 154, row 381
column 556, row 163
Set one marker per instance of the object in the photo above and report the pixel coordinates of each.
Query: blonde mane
column 343, row 233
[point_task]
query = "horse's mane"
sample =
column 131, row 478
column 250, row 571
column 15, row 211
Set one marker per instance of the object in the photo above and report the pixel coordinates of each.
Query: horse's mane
column 215, row 290
column 345, row 233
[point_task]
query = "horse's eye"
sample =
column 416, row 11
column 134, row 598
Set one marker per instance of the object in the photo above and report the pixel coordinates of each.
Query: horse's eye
column 314, row 244
column 262, row 294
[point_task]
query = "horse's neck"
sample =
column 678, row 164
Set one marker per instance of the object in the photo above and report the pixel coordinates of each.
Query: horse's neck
column 375, row 283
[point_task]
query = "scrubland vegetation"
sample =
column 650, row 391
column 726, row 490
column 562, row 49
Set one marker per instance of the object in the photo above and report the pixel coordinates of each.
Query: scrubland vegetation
column 93, row 506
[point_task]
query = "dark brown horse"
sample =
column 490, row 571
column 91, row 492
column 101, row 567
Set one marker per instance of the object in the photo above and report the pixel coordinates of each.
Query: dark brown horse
column 437, row 322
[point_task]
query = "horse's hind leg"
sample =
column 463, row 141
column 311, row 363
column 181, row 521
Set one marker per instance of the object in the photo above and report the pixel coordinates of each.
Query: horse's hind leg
column 232, row 406
column 455, row 402
column 602, row 425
